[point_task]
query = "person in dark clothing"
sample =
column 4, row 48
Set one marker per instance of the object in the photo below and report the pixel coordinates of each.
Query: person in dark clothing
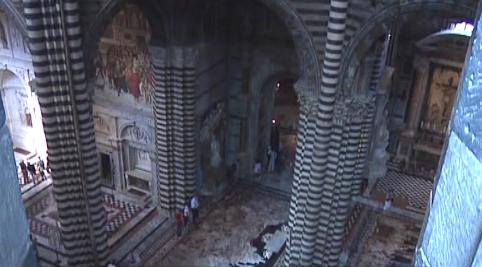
column 32, row 171
column 23, row 168
column 179, row 223
column 275, row 136
column 48, row 164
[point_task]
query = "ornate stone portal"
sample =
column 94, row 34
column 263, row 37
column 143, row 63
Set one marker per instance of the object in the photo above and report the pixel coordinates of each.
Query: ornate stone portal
column 212, row 139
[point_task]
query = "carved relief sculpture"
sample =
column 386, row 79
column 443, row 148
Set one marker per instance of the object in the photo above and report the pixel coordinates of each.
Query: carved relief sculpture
column 211, row 139
column 3, row 36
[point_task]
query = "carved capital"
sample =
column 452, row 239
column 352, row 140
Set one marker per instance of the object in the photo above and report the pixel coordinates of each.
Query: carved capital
column 306, row 100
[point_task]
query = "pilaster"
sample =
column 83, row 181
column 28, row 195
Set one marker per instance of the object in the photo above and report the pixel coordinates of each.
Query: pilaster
column 69, row 126
column 174, row 112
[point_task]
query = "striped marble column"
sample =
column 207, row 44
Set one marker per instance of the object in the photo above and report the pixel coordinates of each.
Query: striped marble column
column 174, row 111
column 304, row 151
column 343, row 150
column 363, row 148
column 338, row 149
column 315, row 206
column 353, row 126
column 55, row 42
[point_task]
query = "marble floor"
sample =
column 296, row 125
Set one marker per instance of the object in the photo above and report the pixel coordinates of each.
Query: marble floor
column 42, row 215
column 415, row 189
column 227, row 236
column 389, row 241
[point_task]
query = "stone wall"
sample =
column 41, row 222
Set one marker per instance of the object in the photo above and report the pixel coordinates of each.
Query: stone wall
column 452, row 231
column 20, row 101
column 16, row 247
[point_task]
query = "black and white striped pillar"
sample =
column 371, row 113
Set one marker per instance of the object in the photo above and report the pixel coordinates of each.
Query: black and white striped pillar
column 317, row 186
column 55, row 43
column 304, row 151
column 174, row 112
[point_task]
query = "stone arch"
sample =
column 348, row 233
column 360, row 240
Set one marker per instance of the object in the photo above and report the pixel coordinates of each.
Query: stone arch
column 309, row 66
column 22, row 112
column 9, row 78
column 15, row 14
column 104, row 17
column 15, row 99
column 377, row 24
column 309, row 80
column 136, row 132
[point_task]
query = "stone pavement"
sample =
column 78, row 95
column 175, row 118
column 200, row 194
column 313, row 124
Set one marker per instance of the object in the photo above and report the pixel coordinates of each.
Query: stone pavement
column 415, row 190
column 387, row 241
column 122, row 218
column 224, row 236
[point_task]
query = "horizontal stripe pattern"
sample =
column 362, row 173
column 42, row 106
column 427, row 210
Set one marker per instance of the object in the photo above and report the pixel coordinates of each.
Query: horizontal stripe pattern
column 174, row 112
column 55, row 42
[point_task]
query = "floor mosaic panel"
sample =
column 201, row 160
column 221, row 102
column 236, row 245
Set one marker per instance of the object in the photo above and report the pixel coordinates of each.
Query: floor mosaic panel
column 416, row 190
column 42, row 215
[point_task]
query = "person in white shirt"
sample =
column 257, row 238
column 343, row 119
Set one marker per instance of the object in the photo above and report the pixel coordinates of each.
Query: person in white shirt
column 186, row 214
column 194, row 208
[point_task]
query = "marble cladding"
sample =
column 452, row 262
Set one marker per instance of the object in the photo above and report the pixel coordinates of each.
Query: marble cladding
column 15, row 245
column 455, row 219
column 454, row 224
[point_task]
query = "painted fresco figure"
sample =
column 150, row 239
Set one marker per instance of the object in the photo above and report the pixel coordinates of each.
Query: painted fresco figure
column 133, row 83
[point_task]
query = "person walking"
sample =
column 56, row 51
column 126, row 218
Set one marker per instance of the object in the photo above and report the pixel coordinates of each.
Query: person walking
column 195, row 209
column 388, row 199
column 31, row 169
column 186, row 214
column 48, row 164
column 41, row 168
column 179, row 223
column 23, row 169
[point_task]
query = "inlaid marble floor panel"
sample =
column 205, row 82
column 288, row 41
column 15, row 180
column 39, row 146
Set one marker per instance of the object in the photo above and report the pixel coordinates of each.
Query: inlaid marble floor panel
column 42, row 214
column 416, row 190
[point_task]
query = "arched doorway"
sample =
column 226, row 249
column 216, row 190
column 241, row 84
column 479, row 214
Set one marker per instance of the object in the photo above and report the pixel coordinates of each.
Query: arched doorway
column 277, row 133
column 24, row 121
column 209, row 33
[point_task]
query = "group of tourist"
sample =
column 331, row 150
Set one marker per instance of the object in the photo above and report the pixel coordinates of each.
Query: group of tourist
column 276, row 161
column 34, row 172
column 182, row 215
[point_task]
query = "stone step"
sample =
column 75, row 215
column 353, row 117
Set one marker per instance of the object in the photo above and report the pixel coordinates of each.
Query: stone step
column 131, row 242
column 271, row 191
column 34, row 190
column 48, row 257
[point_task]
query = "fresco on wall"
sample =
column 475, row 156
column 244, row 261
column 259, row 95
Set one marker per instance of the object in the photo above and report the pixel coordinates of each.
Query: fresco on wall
column 123, row 65
column 442, row 94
